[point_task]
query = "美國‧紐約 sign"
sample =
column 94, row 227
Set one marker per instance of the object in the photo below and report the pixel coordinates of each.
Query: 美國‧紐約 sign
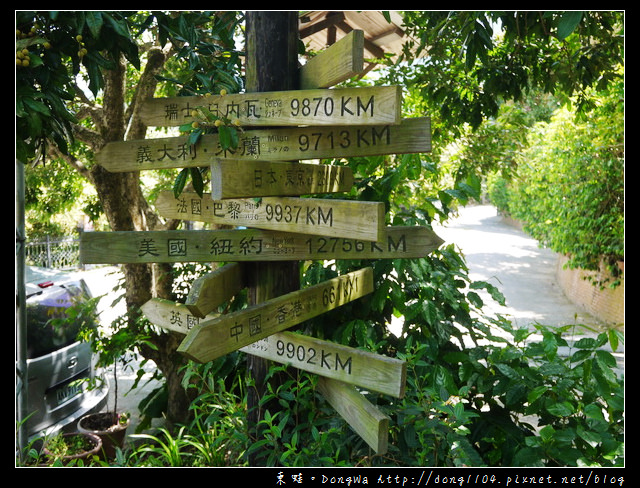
column 247, row 245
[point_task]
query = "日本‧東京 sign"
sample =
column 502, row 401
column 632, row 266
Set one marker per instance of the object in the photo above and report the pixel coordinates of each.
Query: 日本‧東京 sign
column 338, row 218
column 205, row 246
column 374, row 105
column 217, row 337
column 238, row 179
column 278, row 144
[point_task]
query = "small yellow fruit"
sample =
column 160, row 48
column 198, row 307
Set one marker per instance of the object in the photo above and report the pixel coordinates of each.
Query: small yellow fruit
column 194, row 113
column 25, row 62
column 223, row 92
column 236, row 122
column 79, row 38
column 218, row 123
column 195, row 125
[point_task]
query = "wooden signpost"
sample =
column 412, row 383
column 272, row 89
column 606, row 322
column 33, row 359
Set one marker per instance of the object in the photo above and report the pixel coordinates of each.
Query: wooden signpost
column 239, row 179
column 253, row 190
column 330, row 217
column 242, row 245
column 282, row 144
column 229, row 332
column 373, row 105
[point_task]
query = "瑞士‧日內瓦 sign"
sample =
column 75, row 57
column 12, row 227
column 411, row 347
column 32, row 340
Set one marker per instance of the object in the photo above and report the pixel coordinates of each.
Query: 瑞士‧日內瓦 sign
column 374, row 105
column 276, row 144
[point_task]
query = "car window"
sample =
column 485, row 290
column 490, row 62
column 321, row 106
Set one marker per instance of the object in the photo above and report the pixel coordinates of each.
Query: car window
column 50, row 326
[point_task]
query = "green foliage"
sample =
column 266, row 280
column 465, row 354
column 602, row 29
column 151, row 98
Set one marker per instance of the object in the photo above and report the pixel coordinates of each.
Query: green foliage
column 569, row 188
column 58, row 44
column 465, row 62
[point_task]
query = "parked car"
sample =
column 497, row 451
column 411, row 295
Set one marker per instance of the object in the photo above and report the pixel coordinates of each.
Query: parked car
column 62, row 381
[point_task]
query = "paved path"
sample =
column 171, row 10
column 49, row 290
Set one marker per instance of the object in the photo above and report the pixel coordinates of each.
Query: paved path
column 503, row 255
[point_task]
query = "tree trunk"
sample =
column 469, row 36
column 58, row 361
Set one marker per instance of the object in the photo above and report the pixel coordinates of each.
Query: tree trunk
column 126, row 209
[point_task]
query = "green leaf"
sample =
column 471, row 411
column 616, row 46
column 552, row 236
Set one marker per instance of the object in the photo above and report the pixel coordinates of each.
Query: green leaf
column 567, row 24
column 196, row 178
column 180, row 182
column 561, row 409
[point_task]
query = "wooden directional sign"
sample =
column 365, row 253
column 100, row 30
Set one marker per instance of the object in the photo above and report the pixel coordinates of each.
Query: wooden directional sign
column 290, row 143
column 363, row 417
column 373, row 105
column 213, row 289
column 354, row 366
column 172, row 316
column 204, row 246
column 238, row 179
column 228, row 333
column 337, row 63
column 337, row 218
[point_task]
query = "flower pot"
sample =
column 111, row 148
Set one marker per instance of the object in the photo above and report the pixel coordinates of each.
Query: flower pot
column 102, row 425
column 66, row 447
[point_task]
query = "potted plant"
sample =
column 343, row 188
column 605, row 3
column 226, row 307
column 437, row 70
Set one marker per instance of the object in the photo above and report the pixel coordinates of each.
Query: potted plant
column 70, row 447
column 111, row 425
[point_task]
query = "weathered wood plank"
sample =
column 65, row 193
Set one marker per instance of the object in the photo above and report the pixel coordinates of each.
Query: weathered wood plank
column 213, row 289
column 220, row 336
column 239, row 179
column 370, row 105
column 363, row 417
column 339, row 62
column 337, row 218
column 354, row 366
column 291, row 143
column 204, row 246
column 172, row 315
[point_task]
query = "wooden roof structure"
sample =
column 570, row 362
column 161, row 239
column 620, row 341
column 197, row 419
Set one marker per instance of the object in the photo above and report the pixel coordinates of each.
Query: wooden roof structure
column 321, row 29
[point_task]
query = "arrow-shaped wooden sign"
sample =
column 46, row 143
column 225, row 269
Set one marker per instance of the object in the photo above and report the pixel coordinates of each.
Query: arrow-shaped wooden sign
column 290, row 143
column 363, row 417
column 372, row 105
column 232, row 178
column 354, row 366
column 172, row 316
column 337, row 218
column 205, row 246
column 217, row 337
